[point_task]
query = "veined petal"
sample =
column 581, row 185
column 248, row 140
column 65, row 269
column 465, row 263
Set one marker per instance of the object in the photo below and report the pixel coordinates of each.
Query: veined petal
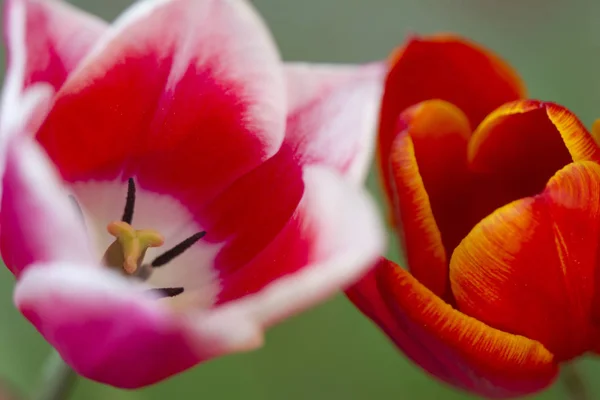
column 162, row 103
column 38, row 220
column 367, row 297
column 332, row 239
column 57, row 37
column 508, row 141
column 129, row 339
column 334, row 115
column 456, row 348
column 428, row 179
column 572, row 197
column 529, row 268
column 449, row 68
column 521, row 131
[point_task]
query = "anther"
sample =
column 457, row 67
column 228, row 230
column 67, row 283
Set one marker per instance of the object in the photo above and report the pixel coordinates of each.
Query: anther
column 166, row 292
column 129, row 203
column 169, row 255
column 127, row 252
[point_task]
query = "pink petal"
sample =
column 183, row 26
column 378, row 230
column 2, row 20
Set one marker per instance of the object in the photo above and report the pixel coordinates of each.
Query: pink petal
column 333, row 114
column 57, row 36
column 187, row 108
column 108, row 331
column 39, row 223
column 332, row 239
column 23, row 106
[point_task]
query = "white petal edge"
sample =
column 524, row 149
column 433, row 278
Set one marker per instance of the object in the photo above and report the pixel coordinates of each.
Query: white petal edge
column 245, row 13
column 20, row 110
column 305, row 80
column 349, row 98
column 212, row 332
column 45, row 217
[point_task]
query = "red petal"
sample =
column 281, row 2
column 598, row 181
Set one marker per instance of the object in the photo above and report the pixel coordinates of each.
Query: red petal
column 448, row 344
column 521, row 131
column 428, row 168
column 163, row 103
column 537, row 137
column 57, row 36
column 252, row 211
column 449, row 68
column 529, row 268
column 333, row 238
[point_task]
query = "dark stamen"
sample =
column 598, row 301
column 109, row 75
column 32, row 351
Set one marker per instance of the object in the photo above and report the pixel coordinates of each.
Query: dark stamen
column 166, row 292
column 169, row 255
column 130, row 203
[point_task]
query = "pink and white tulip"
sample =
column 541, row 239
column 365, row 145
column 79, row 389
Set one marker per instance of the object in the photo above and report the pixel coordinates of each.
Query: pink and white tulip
column 242, row 175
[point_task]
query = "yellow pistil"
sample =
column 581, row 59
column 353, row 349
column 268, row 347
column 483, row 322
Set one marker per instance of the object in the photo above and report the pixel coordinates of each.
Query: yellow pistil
column 129, row 248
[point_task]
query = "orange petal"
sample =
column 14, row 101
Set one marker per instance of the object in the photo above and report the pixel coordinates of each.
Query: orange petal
column 573, row 200
column 518, row 132
column 428, row 164
column 596, row 130
column 519, row 147
column 456, row 348
column 449, row 68
column 529, row 268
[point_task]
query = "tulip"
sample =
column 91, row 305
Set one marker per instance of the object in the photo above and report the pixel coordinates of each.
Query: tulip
column 496, row 200
column 170, row 188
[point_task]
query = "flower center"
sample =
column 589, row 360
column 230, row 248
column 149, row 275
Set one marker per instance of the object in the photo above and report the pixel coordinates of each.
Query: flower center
column 126, row 253
column 129, row 248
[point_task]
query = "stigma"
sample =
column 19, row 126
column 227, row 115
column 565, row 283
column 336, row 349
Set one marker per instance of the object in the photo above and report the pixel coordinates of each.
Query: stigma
column 129, row 248
column 127, row 252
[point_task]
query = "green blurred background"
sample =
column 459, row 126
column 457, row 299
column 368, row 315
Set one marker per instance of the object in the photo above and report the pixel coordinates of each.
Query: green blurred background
column 332, row 352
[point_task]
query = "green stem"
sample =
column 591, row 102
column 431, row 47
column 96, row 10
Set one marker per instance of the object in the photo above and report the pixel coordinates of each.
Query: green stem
column 575, row 384
column 57, row 379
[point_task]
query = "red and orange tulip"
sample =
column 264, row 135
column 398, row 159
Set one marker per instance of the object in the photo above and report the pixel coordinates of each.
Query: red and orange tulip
column 497, row 202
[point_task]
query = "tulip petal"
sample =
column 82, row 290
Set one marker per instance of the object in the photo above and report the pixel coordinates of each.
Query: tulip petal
column 39, row 223
column 454, row 347
column 529, row 268
column 57, row 37
column 332, row 239
column 306, row 82
column 333, row 112
column 23, row 108
column 449, row 68
column 129, row 339
column 526, row 135
column 165, row 105
column 518, row 132
column 573, row 200
column 428, row 169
